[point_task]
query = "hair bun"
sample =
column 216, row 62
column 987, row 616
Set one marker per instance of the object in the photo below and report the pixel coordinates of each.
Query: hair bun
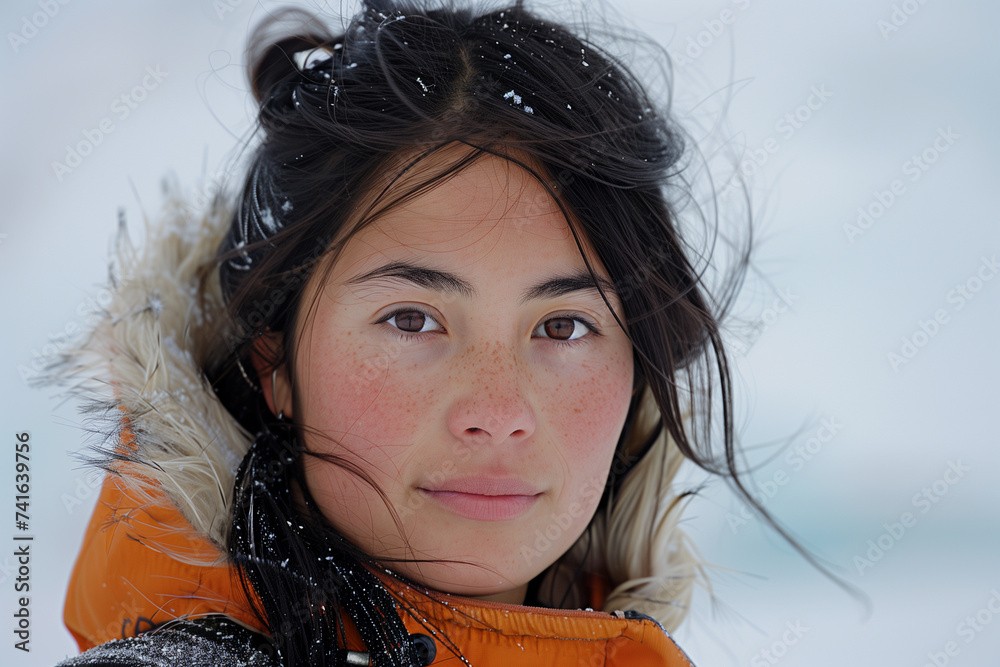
column 274, row 43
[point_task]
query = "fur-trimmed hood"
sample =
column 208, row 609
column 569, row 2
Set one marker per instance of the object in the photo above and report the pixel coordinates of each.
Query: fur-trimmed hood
column 139, row 370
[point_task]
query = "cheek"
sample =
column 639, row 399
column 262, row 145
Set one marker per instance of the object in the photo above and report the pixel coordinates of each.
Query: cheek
column 360, row 397
column 588, row 410
column 356, row 398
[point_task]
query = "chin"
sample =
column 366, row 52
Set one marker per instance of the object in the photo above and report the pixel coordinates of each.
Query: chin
column 467, row 580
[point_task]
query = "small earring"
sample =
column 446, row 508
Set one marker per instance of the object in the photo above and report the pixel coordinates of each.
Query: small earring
column 274, row 384
column 246, row 377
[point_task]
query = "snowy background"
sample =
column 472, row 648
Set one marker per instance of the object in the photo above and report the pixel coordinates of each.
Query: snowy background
column 867, row 343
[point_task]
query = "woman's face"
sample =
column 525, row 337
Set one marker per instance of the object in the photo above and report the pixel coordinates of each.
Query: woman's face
column 459, row 353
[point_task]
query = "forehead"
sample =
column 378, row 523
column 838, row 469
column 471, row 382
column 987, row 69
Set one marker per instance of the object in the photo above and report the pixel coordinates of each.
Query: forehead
column 492, row 214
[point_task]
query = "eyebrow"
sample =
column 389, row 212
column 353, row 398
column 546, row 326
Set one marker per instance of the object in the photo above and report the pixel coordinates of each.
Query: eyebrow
column 443, row 281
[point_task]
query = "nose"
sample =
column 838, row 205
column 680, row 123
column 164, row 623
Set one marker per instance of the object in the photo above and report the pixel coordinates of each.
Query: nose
column 491, row 405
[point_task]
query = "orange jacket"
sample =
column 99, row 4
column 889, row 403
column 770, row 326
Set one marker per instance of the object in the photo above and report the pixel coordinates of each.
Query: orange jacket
column 122, row 586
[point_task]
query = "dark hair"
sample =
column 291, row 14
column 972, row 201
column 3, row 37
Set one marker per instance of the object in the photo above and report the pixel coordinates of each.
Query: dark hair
column 342, row 117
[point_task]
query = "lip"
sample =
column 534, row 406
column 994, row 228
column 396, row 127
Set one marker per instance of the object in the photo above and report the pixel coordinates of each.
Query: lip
column 485, row 498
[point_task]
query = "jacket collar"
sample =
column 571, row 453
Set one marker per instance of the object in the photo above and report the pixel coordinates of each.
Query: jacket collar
column 124, row 584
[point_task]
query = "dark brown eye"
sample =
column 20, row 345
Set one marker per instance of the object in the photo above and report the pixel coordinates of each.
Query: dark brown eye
column 566, row 329
column 411, row 321
column 560, row 328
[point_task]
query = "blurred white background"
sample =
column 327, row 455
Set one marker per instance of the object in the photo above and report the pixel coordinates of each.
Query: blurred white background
column 838, row 109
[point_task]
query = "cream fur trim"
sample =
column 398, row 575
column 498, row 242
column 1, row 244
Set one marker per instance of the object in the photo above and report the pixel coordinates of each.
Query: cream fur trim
column 143, row 359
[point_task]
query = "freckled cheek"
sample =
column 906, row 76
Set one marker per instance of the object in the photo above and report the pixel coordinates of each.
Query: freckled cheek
column 364, row 398
column 591, row 406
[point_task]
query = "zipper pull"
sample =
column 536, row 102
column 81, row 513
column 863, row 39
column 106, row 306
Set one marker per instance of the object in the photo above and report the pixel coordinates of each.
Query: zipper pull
column 424, row 651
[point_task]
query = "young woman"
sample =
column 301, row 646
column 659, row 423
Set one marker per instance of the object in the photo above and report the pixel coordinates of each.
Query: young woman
column 416, row 394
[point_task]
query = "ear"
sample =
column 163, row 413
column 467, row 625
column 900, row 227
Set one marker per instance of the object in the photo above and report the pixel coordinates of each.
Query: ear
column 274, row 382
